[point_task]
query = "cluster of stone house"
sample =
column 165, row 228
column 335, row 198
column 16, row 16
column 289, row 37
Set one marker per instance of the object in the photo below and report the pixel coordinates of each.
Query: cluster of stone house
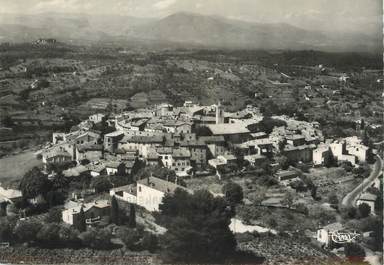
column 147, row 193
column 350, row 149
column 166, row 136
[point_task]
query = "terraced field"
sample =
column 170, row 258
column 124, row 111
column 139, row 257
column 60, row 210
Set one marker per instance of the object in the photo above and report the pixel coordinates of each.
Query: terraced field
column 15, row 166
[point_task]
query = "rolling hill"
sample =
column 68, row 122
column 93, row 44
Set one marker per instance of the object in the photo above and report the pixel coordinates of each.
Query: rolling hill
column 183, row 29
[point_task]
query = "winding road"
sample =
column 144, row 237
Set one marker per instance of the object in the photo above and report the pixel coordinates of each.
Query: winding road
column 351, row 198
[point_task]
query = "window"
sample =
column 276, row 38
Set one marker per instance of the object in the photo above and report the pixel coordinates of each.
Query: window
column 139, row 188
column 166, row 157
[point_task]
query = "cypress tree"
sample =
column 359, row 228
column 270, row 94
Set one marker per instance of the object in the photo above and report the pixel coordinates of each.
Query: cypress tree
column 132, row 216
column 114, row 213
column 82, row 225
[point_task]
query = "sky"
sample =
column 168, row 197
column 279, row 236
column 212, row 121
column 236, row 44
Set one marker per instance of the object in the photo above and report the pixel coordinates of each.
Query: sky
column 350, row 15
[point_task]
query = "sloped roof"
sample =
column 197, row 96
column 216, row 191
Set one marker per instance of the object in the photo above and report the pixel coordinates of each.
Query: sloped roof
column 160, row 184
column 227, row 129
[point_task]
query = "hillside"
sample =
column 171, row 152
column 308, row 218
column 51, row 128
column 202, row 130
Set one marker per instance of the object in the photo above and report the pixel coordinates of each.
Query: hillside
column 180, row 29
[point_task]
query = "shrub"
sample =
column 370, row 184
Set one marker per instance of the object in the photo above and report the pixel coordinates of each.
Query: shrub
column 96, row 239
column 364, row 210
column 54, row 215
column 26, row 231
column 233, row 193
column 101, row 184
column 354, row 252
column 150, row 242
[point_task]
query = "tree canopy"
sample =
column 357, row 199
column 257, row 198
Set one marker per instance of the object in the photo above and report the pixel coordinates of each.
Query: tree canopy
column 197, row 228
column 34, row 183
column 233, row 193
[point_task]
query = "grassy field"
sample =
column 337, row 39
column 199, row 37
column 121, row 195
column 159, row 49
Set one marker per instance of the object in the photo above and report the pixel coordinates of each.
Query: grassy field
column 15, row 166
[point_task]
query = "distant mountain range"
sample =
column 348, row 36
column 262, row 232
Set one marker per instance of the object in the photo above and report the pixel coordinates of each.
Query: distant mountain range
column 181, row 29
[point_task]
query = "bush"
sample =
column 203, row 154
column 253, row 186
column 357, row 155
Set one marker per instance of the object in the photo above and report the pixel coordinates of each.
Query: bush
column 364, row 210
column 233, row 193
column 54, row 215
column 48, row 235
column 101, row 184
column 34, row 183
column 149, row 242
column 69, row 237
column 333, row 199
column 354, row 252
column 26, row 231
column 96, row 239
column 131, row 237
column 302, row 208
column 6, row 227
column 348, row 212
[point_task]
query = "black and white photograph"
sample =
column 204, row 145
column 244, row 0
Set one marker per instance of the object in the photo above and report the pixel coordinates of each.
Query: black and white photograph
column 191, row 132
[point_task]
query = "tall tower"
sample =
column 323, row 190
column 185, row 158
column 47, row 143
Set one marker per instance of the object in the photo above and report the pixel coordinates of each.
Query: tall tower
column 219, row 113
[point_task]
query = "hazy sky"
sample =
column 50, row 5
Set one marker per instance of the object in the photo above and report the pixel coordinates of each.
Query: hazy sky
column 317, row 14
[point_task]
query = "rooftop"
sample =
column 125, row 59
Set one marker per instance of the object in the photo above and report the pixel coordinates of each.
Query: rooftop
column 367, row 197
column 131, row 189
column 145, row 139
column 86, row 206
column 212, row 139
column 89, row 147
column 181, row 153
column 160, row 184
column 227, row 129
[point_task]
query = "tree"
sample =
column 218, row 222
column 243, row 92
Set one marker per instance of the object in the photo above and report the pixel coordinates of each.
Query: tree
column 82, row 226
column 60, row 182
column 288, row 200
column 302, row 208
column 233, row 193
column 364, row 210
column 96, row 239
column 299, row 186
column 26, row 231
column 55, row 198
column 283, row 162
column 362, row 170
column 101, row 184
column 198, row 233
column 69, row 236
column 330, row 160
column 49, row 235
column 149, row 242
column 84, row 162
column 3, row 209
column 34, row 183
column 114, row 211
column 333, row 199
column 348, row 212
column 132, row 216
column 130, row 237
column 314, row 192
column 54, row 215
column 6, row 228
column 354, row 252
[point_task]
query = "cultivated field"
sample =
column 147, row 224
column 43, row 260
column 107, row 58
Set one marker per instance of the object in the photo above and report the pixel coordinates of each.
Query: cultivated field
column 15, row 166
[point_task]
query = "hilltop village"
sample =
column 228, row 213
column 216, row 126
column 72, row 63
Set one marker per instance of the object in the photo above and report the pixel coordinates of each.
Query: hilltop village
column 114, row 171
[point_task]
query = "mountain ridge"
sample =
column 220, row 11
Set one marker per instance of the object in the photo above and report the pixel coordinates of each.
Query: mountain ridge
column 184, row 28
